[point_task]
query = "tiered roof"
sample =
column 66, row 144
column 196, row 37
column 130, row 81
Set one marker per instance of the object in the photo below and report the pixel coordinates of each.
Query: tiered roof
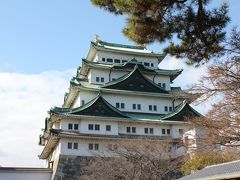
column 128, row 66
column 100, row 107
column 120, row 48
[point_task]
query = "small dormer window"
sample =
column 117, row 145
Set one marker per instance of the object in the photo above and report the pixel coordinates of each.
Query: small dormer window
column 146, row 64
column 117, row 60
column 166, row 108
column 97, row 79
column 164, row 85
column 142, row 86
column 109, row 60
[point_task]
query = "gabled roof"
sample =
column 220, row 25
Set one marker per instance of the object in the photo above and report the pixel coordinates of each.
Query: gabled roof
column 182, row 111
column 96, row 107
column 129, row 66
column 135, row 81
column 120, row 48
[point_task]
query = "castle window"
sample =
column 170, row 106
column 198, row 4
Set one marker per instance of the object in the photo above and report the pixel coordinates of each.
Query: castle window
column 97, row 79
column 90, row 126
column 70, row 126
column 113, row 79
column 133, row 129
column 146, row 130
column 150, row 107
column 90, row 146
column 75, row 145
column 75, row 126
column 152, row 65
column 151, row 130
column 163, row 131
column 168, row 131
column 124, row 61
column 117, row 105
column 108, row 127
column 139, row 106
column 155, row 107
column 122, row 105
column 93, row 146
column 180, row 131
column 102, row 79
column 97, row 127
column 96, row 146
column 109, row 60
column 170, row 108
column 166, row 108
column 128, row 129
column 103, row 60
column 117, row 60
column 69, row 145
column 146, row 64
column 164, row 85
column 160, row 84
column 134, row 106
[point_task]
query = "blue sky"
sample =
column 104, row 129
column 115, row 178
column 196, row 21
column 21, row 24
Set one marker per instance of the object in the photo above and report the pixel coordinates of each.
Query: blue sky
column 44, row 35
column 41, row 45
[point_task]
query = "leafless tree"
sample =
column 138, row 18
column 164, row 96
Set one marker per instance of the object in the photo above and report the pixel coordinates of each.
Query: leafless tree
column 136, row 160
column 222, row 123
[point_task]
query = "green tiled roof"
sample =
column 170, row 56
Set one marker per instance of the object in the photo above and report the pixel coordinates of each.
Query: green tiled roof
column 96, row 107
column 99, row 107
column 135, row 81
column 130, row 65
column 120, row 45
column 182, row 111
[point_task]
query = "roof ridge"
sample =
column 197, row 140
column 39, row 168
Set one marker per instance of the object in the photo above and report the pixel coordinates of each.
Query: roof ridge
column 136, row 68
column 120, row 45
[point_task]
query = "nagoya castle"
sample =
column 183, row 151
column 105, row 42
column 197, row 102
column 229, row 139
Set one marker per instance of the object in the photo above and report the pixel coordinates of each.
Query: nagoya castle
column 120, row 92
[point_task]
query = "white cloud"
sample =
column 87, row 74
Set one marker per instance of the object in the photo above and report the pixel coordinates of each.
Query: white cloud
column 25, row 100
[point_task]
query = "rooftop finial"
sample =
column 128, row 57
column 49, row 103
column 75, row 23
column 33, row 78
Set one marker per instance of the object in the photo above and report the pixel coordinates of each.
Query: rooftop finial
column 144, row 45
column 97, row 38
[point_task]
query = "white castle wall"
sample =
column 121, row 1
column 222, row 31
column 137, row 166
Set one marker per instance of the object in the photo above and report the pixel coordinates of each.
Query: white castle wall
column 124, row 56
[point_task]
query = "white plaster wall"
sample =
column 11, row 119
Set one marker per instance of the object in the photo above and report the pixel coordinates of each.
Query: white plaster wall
column 140, row 128
column 117, row 74
column 145, row 101
column 175, row 130
column 102, row 123
column 128, row 57
column 83, row 126
column 64, row 123
column 84, row 95
column 83, row 147
column 160, row 79
column 93, row 73
column 16, row 175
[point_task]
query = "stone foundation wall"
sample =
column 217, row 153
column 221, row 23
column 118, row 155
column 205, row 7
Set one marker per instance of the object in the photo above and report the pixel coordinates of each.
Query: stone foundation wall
column 71, row 167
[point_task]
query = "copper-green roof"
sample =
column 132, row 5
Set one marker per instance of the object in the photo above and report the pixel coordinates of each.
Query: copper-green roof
column 129, row 66
column 135, row 81
column 99, row 107
column 182, row 111
column 96, row 107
